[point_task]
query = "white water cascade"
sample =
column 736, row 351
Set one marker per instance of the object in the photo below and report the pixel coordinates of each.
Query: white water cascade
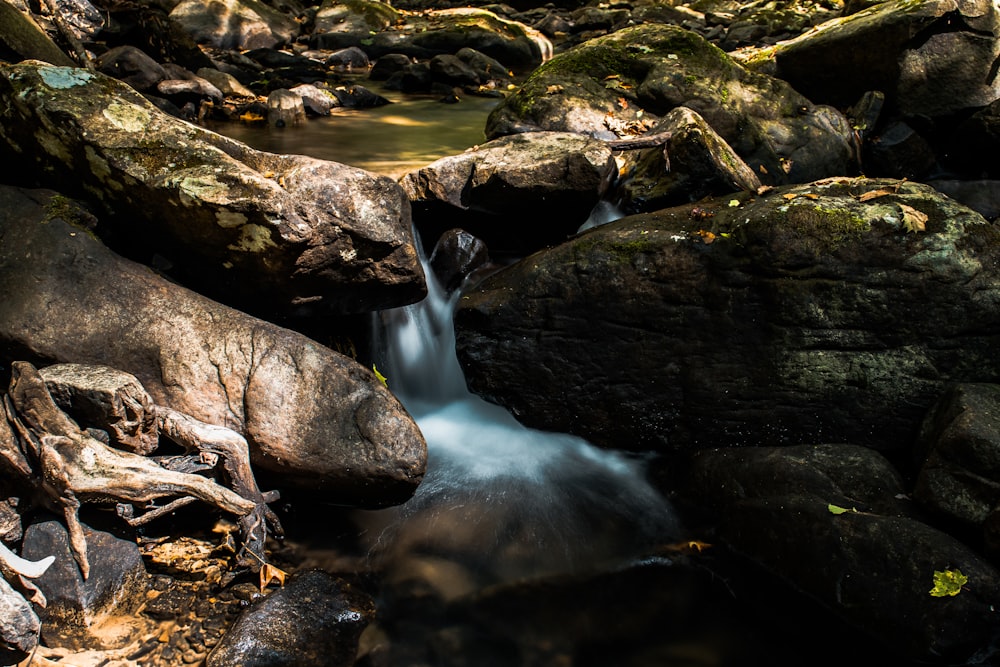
column 503, row 500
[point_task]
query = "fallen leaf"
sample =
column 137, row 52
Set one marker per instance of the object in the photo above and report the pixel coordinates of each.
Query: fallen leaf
column 764, row 188
column 381, row 378
column 913, row 220
column 706, row 237
column 552, row 90
column 623, row 103
column 734, row 203
column 836, row 509
column 874, row 194
column 691, row 546
column 790, row 195
column 948, row 583
column 269, row 574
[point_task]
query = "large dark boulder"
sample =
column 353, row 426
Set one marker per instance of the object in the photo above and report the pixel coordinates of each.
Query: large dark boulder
column 811, row 312
column 268, row 233
column 626, row 81
column 313, row 418
column 833, row 521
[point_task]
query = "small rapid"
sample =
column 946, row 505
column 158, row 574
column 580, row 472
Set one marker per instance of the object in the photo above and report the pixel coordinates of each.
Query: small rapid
column 504, row 500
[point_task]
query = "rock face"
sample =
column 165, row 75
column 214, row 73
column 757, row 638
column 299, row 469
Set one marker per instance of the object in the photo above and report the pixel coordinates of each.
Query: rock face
column 314, row 418
column 807, row 314
column 235, row 24
column 315, row 621
column 260, row 231
column 628, row 79
column 826, row 518
column 931, row 58
column 538, row 185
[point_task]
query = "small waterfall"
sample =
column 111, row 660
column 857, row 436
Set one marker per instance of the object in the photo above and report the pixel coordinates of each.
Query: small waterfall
column 503, row 500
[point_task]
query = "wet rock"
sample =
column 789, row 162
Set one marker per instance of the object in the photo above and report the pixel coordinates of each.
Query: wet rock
column 826, row 519
column 960, row 476
column 808, row 313
column 316, row 620
column 488, row 69
column 131, row 65
column 451, row 70
column 414, row 78
column 623, row 83
column 358, row 97
column 19, row 628
column 21, row 35
column 387, row 65
column 313, row 418
column 97, row 612
column 194, row 89
column 315, row 100
column 235, row 24
column 694, row 162
column 285, row 108
column 520, row 191
column 457, row 254
column 266, row 232
column 351, row 58
column 932, row 58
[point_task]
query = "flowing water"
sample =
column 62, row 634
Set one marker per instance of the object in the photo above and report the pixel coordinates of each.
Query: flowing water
column 504, row 500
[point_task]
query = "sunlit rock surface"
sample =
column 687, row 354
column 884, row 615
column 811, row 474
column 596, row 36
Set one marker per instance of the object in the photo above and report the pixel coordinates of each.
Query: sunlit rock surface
column 313, row 418
column 260, row 231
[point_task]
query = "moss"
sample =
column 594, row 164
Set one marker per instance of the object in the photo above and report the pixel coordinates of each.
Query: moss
column 832, row 226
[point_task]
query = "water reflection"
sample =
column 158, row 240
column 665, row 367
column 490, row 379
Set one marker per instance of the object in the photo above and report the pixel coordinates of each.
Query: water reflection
column 409, row 133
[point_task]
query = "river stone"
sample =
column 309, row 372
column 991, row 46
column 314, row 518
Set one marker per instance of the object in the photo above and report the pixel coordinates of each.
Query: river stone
column 930, row 57
column 626, row 81
column 344, row 23
column 808, row 313
column 226, row 83
column 96, row 612
column 694, row 162
column 131, row 65
column 312, row 417
column 826, row 519
column 235, row 24
column 314, row 621
column 960, row 477
column 265, row 232
column 285, row 108
column 517, row 192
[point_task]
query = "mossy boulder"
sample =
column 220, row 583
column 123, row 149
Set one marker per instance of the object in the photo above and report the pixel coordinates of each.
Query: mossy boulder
column 932, row 58
column 269, row 233
column 235, row 24
column 810, row 313
column 625, row 81
column 343, row 23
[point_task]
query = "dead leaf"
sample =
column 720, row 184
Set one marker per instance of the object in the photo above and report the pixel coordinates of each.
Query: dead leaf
column 269, row 574
column 707, row 237
column 790, row 195
column 913, row 220
column 874, row 194
column 623, row 103
column 764, row 188
column 691, row 546
column 552, row 90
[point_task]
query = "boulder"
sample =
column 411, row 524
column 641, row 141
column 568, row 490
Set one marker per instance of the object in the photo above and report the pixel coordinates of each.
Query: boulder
column 96, row 612
column 235, row 24
column 19, row 628
column 828, row 519
column 227, row 84
column 516, row 193
column 131, row 65
column 694, row 162
column 21, row 35
column 270, row 233
column 314, row 621
column 315, row 100
column 931, row 58
column 315, row 419
column 344, row 23
column 824, row 311
column 624, row 82
column 285, row 108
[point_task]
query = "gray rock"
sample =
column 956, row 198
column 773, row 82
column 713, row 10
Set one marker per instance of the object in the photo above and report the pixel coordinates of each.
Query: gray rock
column 356, row 19
column 314, row 621
column 457, row 254
column 388, row 65
column 315, row 100
column 695, row 162
column 522, row 191
column 97, row 612
column 19, row 627
column 226, row 83
column 285, row 108
column 931, row 57
column 314, row 418
column 452, row 70
column 625, row 82
column 20, row 34
column 351, row 58
column 982, row 196
column 235, row 24
column 193, row 87
column 826, row 519
column 266, row 232
column 809, row 313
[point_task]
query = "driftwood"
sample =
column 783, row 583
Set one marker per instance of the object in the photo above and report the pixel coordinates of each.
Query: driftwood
column 69, row 466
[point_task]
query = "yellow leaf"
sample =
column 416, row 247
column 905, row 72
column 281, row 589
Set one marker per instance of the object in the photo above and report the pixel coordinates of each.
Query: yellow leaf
column 790, row 195
column 553, row 89
column 836, row 509
column 913, row 220
column 948, row 583
column 381, row 378
column 874, row 194
column 269, row 573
